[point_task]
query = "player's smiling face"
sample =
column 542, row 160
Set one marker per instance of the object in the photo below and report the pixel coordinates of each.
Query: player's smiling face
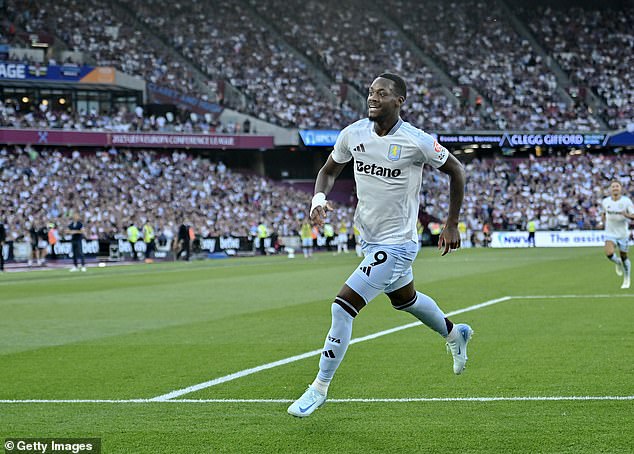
column 382, row 101
column 615, row 189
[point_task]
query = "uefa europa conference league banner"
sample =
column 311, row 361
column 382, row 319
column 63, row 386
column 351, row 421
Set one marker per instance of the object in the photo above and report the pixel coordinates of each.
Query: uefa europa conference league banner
column 566, row 238
column 136, row 139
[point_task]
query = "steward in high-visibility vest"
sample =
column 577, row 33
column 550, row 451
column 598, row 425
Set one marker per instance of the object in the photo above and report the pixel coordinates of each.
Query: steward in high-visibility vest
column 133, row 237
column 262, row 234
column 148, row 239
column 306, row 234
column 531, row 227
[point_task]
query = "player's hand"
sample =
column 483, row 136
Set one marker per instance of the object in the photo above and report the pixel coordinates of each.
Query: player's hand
column 318, row 215
column 449, row 239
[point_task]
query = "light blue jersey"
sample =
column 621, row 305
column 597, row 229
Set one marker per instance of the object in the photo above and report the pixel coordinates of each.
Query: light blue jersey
column 388, row 176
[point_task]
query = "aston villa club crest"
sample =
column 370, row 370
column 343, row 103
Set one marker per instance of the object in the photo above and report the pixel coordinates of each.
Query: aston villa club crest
column 394, row 152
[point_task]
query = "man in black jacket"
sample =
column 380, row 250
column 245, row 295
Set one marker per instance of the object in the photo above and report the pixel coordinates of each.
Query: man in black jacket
column 183, row 240
column 3, row 238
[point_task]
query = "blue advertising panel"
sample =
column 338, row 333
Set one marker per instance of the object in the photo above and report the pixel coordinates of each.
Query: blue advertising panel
column 22, row 71
column 319, row 137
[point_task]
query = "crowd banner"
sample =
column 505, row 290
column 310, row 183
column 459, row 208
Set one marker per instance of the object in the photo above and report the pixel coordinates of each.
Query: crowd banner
column 551, row 238
column 133, row 139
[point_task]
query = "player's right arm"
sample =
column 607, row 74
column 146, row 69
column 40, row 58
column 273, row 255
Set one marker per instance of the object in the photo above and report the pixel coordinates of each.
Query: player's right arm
column 323, row 185
column 327, row 175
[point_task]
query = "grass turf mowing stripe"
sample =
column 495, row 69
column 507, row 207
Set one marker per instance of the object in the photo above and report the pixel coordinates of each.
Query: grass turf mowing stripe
column 253, row 370
column 243, row 373
column 354, row 400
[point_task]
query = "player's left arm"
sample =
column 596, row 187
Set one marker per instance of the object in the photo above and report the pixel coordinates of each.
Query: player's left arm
column 450, row 236
column 629, row 211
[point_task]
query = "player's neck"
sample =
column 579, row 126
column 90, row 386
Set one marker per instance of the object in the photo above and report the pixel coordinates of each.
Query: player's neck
column 616, row 197
column 383, row 126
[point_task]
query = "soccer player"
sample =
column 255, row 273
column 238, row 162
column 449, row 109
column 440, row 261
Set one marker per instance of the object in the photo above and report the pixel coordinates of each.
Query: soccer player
column 388, row 155
column 616, row 211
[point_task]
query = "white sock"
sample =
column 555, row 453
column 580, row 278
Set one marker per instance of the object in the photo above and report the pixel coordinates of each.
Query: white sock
column 627, row 265
column 616, row 259
column 427, row 311
column 334, row 348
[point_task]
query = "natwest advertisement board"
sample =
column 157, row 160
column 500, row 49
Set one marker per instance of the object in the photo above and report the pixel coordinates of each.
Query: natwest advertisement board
column 549, row 238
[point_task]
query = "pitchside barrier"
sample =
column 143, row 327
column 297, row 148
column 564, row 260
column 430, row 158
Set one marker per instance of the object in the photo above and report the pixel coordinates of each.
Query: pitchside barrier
column 549, row 238
column 118, row 249
column 20, row 251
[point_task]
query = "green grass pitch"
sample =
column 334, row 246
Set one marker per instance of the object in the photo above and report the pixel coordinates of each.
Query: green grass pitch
column 139, row 332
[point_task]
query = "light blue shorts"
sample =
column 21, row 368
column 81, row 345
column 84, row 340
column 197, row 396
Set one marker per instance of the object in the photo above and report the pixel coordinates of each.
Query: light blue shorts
column 622, row 243
column 307, row 242
column 385, row 268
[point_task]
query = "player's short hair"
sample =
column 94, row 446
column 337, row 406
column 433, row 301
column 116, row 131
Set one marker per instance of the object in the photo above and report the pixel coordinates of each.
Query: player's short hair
column 399, row 83
column 616, row 181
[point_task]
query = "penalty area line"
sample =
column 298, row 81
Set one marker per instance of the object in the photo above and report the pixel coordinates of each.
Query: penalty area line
column 352, row 400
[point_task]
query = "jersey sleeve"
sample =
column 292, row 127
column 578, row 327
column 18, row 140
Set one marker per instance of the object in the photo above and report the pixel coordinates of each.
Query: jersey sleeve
column 341, row 152
column 432, row 152
column 629, row 207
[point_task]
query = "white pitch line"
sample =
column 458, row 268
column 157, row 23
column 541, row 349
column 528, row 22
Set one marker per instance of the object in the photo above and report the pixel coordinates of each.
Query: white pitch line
column 281, row 362
column 171, row 397
column 353, row 400
column 547, row 297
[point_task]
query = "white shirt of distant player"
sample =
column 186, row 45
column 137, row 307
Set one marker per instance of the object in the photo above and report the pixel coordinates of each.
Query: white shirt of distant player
column 616, row 224
column 388, row 175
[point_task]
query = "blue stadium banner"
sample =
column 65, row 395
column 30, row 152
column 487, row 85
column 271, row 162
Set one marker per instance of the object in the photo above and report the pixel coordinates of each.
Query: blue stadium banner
column 193, row 103
column 327, row 138
column 622, row 139
column 319, row 137
column 520, row 139
column 68, row 72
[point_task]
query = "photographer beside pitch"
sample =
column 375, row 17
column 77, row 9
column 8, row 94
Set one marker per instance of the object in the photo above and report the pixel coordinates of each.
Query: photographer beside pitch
column 388, row 155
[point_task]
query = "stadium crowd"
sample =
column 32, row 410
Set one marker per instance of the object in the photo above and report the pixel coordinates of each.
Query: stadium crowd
column 480, row 48
column 595, row 48
column 113, row 188
column 559, row 193
column 324, row 31
column 230, row 43
column 120, row 120
column 261, row 48
column 93, row 27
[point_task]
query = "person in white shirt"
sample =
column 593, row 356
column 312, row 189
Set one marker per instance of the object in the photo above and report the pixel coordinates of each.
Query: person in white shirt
column 616, row 212
column 388, row 156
